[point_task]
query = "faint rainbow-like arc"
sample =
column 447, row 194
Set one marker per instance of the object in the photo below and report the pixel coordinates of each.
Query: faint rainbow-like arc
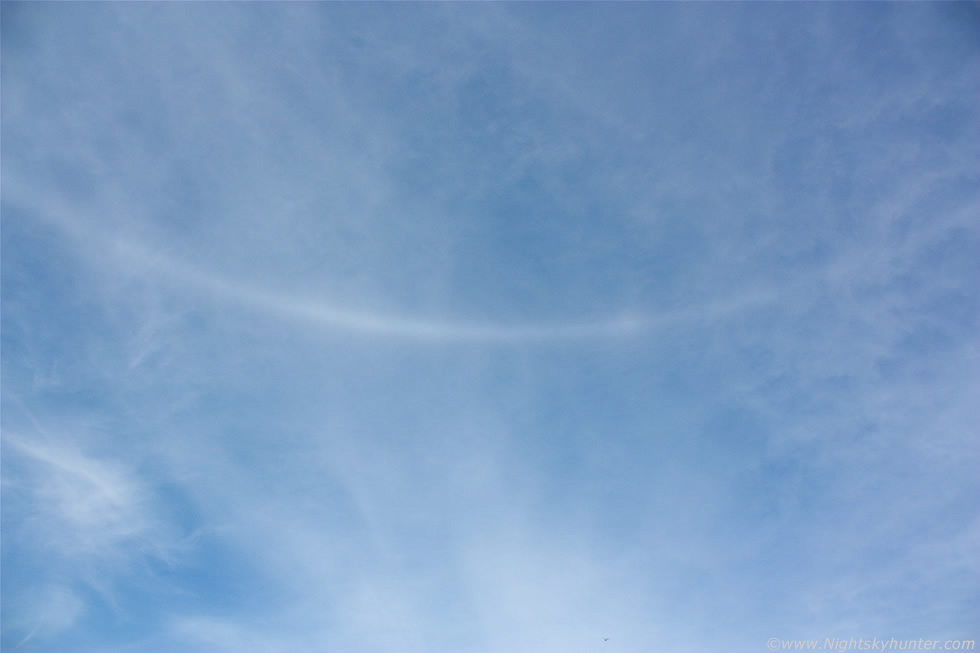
column 386, row 325
column 380, row 325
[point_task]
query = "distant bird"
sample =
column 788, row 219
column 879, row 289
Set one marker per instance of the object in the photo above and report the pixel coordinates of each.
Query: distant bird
column 605, row 639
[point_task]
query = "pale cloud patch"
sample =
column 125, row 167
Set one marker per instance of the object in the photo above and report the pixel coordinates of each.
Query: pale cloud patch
column 70, row 514
column 44, row 612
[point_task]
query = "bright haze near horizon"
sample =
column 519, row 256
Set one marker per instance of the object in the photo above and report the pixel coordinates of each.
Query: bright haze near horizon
column 488, row 328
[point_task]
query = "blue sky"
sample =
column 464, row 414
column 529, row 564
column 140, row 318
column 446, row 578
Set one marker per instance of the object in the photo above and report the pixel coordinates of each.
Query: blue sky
column 488, row 328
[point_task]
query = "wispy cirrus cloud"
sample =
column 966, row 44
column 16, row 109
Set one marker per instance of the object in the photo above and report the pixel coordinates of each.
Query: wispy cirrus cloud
column 84, row 508
column 82, row 524
column 43, row 612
